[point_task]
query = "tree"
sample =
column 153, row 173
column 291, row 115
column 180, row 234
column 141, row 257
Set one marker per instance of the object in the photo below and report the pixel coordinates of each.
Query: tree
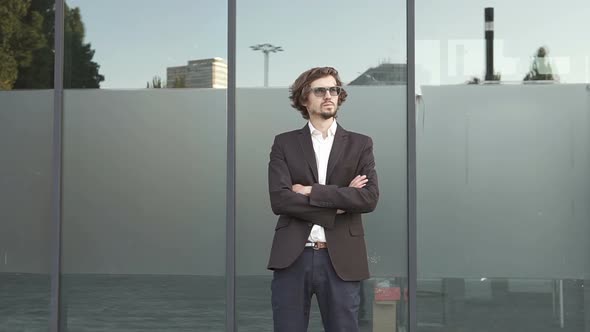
column 179, row 82
column 39, row 75
column 20, row 35
column 156, row 83
column 79, row 69
column 474, row 80
column 477, row 80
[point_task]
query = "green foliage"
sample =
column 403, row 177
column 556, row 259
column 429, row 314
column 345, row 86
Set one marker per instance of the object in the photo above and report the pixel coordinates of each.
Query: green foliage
column 179, row 82
column 20, row 35
column 79, row 70
column 156, row 83
column 476, row 80
column 39, row 75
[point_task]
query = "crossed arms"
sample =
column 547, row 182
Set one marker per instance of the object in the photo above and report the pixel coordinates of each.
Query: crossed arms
column 319, row 204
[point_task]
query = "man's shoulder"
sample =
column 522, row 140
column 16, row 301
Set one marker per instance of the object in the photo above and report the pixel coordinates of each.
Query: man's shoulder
column 358, row 136
column 288, row 134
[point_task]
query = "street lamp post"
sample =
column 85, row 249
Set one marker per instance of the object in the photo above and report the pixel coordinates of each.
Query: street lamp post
column 266, row 49
column 489, row 35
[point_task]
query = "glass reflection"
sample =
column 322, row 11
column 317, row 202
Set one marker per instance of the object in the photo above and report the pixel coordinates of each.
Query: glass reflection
column 373, row 71
column 144, row 177
column 26, row 118
column 502, row 156
column 27, row 48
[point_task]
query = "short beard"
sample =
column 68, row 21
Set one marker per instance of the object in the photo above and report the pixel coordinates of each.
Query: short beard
column 327, row 116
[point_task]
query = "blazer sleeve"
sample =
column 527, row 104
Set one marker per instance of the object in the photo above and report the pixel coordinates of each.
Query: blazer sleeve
column 351, row 200
column 284, row 201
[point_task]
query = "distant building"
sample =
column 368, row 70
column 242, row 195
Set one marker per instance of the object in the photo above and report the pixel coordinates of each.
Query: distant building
column 384, row 74
column 204, row 73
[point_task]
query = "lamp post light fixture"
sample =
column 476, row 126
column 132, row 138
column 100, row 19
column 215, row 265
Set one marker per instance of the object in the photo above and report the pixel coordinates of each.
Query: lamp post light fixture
column 266, row 49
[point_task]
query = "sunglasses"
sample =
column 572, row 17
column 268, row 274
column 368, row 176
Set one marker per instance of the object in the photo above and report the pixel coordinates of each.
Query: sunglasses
column 321, row 91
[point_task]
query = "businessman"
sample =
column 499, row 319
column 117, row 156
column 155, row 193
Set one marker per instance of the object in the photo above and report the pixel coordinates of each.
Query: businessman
column 321, row 180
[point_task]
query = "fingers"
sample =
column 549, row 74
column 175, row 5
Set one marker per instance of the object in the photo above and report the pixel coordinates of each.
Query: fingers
column 301, row 189
column 355, row 180
column 359, row 181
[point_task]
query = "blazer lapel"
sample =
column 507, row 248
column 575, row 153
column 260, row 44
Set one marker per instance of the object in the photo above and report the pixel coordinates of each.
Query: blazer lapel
column 340, row 140
column 308, row 153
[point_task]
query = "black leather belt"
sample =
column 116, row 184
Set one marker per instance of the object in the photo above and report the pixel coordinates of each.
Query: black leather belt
column 317, row 245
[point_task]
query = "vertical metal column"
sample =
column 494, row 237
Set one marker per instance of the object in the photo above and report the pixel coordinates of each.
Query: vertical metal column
column 411, row 165
column 561, row 311
column 230, row 270
column 56, row 167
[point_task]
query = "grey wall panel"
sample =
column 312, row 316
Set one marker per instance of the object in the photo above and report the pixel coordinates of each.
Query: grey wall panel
column 503, row 185
column 502, row 179
column 25, row 180
column 144, row 182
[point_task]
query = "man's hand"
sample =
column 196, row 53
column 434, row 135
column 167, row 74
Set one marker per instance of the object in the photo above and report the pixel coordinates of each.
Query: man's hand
column 301, row 189
column 359, row 181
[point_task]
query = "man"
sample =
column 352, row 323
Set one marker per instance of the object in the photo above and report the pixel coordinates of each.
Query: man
column 321, row 179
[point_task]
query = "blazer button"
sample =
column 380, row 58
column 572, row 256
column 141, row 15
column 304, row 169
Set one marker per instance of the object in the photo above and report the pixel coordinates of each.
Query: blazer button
column 310, row 224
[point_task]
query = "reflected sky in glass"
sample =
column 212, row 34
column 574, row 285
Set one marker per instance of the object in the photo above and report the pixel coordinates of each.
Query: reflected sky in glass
column 135, row 40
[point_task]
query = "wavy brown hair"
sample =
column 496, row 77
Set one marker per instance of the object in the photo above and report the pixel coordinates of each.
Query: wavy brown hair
column 300, row 89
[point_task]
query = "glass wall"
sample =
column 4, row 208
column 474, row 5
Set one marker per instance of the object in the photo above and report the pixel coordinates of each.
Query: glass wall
column 25, row 222
column 300, row 36
column 26, row 120
column 503, row 160
column 144, row 166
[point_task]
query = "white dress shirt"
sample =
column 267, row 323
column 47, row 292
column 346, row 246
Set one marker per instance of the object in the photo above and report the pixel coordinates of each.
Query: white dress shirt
column 322, row 147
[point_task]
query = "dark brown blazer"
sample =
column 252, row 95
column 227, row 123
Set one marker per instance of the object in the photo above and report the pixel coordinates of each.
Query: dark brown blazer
column 292, row 161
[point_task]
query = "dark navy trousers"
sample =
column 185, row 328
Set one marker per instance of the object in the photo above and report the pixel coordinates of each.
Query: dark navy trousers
column 313, row 273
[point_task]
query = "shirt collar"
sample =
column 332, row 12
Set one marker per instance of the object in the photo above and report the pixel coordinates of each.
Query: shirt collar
column 331, row 130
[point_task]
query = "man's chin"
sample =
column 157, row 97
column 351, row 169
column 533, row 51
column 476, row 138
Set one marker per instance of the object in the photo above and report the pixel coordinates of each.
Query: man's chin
column 328, row 115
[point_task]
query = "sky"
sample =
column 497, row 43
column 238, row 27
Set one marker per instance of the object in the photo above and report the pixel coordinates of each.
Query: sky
column 136, row 40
